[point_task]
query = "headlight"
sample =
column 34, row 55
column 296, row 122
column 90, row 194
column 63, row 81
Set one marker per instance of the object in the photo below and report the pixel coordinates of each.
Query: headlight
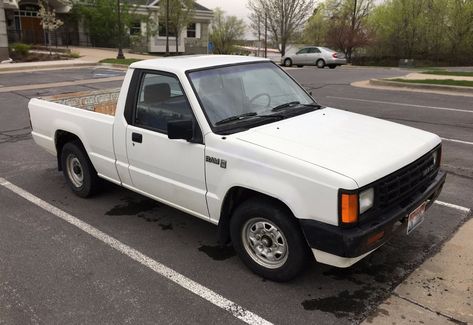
column 366, row 199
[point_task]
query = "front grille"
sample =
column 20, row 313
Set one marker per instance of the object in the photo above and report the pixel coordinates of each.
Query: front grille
column 402, row 186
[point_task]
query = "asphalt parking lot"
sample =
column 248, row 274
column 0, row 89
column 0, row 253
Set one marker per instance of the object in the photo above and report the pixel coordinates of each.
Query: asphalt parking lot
column 53, row 272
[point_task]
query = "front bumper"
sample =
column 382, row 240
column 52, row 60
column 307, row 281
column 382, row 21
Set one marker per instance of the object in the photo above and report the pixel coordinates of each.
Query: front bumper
column 352, row 244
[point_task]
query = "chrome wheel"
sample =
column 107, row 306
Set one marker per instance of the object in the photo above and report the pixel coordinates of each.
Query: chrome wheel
column 265, row 243
column 287, row 63
column 74, row 170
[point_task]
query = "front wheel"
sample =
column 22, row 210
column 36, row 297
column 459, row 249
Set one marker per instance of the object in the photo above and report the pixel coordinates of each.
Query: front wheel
column 320, row 64
column 268, row 240
column 78, row 170
column 288, row 63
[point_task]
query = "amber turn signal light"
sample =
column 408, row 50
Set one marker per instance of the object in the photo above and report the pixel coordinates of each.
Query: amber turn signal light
column 349, row 208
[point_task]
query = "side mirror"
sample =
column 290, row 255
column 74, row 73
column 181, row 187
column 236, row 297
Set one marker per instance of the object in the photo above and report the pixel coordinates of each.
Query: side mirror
column 181, row 129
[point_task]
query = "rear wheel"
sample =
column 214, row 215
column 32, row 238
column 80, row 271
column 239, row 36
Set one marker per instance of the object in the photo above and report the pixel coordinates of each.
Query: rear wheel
column 268, row 239
column 320, row 64
column 332, row 66
column 288, row 63
column 78, row 170
column 299, row 66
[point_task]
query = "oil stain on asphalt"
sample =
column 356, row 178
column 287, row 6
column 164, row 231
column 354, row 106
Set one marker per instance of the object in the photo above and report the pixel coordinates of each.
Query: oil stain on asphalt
column 132, row 207
column 344, row 304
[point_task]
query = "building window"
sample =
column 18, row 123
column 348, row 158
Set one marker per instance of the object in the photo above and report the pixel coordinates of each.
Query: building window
column 135, row 28
column 162, row 30
column 192, row 30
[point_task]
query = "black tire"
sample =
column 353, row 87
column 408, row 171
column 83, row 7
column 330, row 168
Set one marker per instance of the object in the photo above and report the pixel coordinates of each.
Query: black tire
column 299, row 66
column 245, row 220
column 332, row 66
column 288, row 63
column 78, row 170
column 320, row 64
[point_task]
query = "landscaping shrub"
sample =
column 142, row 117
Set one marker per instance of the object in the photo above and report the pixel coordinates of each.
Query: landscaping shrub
column 19, row 49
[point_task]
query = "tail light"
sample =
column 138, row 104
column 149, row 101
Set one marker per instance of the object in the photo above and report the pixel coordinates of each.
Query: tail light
column 334, row 55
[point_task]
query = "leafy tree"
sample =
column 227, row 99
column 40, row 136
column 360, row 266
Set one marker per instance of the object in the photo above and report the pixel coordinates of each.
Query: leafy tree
column 49, row 22
column 315, row 30
column 284, row 17
column 100, row 19
column 460, row 27
column 180, row 15
column 225, row 32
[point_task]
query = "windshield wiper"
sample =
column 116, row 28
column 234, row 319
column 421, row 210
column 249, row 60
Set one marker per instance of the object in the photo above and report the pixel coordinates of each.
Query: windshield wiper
column 251, row 114
column 285, row 105
column 292, row 104
column 236, row 118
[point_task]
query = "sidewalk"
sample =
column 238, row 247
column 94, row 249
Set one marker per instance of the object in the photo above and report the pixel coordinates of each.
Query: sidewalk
column 440, row 291
column 89, row 57
column 387, row 84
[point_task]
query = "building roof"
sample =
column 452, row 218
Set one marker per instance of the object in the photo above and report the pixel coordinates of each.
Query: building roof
column 197, row 6
column 200, row 7
column 181, row 64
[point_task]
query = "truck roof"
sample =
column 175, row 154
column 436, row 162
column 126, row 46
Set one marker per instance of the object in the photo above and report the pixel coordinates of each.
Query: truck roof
column 190, row 62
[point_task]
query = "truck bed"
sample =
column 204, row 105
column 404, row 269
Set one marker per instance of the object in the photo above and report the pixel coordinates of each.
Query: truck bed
column 100, row 101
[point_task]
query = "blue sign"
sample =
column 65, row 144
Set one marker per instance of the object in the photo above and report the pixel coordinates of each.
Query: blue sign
column 210, row 47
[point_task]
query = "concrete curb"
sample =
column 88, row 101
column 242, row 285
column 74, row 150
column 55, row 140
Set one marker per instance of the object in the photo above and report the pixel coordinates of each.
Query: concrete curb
column 114, row 65
column 408, row 85
column 12, row 67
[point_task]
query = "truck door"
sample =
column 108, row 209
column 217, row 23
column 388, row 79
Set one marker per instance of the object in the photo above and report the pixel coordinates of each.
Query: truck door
column 169, row 170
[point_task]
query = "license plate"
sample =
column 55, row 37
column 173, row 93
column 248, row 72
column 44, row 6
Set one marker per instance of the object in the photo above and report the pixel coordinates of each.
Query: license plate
column 415, row 218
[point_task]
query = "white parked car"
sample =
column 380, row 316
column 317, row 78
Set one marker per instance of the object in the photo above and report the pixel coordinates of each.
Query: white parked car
column 314, row 55
column 237, row 142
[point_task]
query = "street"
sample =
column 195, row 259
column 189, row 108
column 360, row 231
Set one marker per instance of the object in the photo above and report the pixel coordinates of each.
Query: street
column 53, row 271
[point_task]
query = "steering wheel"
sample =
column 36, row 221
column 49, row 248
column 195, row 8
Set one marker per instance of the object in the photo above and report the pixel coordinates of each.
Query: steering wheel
column 261, row 95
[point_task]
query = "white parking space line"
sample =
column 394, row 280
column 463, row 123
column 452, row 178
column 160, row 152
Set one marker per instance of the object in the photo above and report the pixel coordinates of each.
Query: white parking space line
column 402, row 104
column 453, row 206
column 457, row 141
column 179, row 279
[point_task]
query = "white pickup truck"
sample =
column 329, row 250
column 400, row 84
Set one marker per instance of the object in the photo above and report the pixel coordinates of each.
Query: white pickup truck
column 237, row 142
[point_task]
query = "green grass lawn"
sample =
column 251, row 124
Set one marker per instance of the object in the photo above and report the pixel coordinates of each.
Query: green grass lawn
column 119, row 61
column 450, row 73
column 448, row 82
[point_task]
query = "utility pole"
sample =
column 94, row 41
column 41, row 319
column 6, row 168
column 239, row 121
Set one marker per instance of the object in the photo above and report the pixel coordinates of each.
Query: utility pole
column 259, row 35
column 167, row 27
column 120, row 50
column 265, row 34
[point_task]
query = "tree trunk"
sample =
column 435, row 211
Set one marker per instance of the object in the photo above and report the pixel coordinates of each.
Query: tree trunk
column 167, row 27
column 177, row 44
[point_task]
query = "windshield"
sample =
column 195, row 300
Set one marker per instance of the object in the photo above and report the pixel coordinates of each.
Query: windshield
column 246, row 90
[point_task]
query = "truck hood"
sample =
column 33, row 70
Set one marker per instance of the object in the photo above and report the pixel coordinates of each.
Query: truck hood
column 357, row 146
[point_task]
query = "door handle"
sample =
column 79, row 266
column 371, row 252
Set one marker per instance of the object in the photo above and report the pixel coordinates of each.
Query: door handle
column 137, row 137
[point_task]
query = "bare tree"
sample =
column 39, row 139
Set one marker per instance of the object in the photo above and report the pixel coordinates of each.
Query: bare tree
column 179, row 14
column 284, row 18
column 347, row 29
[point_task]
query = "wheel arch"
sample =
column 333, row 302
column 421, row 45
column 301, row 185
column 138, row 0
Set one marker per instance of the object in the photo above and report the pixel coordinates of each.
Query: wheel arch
column 61, row 137
column 235, row 196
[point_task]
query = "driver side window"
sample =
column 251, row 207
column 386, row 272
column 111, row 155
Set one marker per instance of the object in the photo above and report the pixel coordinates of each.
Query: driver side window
column 160, row 100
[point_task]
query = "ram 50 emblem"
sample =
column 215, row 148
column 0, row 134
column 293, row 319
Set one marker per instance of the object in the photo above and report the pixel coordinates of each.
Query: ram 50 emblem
column 217, row 161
